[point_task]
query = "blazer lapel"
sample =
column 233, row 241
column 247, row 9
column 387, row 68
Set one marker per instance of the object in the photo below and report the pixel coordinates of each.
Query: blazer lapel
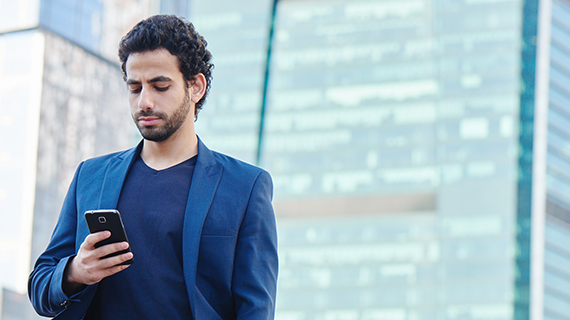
column 115, row 177
column 207, row 174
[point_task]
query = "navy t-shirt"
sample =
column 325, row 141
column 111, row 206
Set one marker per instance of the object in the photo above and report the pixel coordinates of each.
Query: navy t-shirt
column 152, row 206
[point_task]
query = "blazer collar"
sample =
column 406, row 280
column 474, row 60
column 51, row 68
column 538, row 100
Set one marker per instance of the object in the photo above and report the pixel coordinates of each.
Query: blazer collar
column 115, row 177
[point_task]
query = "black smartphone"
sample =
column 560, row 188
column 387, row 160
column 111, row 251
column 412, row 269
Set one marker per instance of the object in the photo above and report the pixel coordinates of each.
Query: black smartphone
column 101, row 220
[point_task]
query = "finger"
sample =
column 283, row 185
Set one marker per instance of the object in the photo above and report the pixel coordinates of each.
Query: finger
column 115, row 269
column 94, row 238
column 111, row 248
column 116, row 260
column 98, row 269
column 95, row 276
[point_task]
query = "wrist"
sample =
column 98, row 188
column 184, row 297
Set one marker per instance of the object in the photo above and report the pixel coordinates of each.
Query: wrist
column 69, row 285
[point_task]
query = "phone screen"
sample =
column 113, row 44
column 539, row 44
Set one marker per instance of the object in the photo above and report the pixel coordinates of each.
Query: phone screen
column 108, row 220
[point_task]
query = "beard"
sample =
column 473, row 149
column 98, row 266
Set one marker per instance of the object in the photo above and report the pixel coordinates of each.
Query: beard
column 172, row 122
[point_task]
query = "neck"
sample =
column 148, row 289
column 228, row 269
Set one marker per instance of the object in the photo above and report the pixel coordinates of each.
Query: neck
column 180, row 147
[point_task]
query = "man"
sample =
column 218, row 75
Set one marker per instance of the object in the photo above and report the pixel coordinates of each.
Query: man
column 200, row 224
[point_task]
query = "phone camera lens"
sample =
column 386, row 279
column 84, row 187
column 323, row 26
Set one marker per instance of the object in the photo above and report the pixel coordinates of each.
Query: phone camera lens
column 102, row 220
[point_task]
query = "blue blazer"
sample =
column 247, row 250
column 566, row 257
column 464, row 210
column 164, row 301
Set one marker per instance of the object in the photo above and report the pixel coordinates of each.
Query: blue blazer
column 229, row 238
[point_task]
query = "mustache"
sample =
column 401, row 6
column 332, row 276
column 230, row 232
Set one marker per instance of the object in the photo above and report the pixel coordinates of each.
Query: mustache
column 149, row 113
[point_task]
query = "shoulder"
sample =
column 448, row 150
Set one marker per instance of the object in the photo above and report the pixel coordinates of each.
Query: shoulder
column 231, row 162
column 100, row 160
column 240, row 170
column 108, row 157
column 208, row 157
column 98, row 165
column 242, row 182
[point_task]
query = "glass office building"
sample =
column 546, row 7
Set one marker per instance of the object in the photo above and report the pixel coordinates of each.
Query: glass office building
column 391, row 133
column 419, row 149
column 412, row 180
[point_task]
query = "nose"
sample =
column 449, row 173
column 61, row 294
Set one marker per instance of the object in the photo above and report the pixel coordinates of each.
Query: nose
column 145, row 100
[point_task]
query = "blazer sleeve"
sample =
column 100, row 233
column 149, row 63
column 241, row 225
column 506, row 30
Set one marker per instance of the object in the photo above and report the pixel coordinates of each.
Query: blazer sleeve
column 45, row 282
column 254, row 281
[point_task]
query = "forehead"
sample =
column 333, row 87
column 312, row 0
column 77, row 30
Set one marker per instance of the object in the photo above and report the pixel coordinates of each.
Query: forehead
column 159, row 62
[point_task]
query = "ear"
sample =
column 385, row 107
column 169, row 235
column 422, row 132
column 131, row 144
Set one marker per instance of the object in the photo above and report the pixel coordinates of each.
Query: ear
column 197, row 88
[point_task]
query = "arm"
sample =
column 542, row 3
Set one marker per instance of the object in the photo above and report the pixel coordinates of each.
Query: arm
column 254, row 283
column 45, row 282
column 60, row 275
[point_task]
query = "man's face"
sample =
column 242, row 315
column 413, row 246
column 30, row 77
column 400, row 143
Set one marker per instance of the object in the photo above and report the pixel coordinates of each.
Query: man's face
column 158, row 94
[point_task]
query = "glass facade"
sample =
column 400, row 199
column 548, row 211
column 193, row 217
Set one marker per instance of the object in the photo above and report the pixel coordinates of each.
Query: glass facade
column 391, row 134
column 556, row 276
column 95, row 25
column 78, row 21
column 557, row 231
column 237, row 35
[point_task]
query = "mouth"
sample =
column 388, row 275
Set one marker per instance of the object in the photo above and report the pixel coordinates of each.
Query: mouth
column 148, row 121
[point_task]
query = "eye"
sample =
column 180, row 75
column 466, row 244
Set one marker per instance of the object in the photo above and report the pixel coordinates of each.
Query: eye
column 135, row 90
column 162, row 88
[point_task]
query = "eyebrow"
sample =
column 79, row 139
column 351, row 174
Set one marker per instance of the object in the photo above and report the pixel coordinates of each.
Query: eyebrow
column 157, row 79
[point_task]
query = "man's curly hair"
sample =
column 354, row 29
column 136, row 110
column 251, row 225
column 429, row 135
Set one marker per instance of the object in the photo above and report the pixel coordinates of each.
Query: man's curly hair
column 176, row 35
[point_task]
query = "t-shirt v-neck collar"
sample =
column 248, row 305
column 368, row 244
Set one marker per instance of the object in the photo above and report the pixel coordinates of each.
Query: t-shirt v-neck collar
column 189, row 162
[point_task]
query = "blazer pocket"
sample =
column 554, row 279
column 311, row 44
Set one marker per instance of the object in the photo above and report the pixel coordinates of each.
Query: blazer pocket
column 219, row 232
